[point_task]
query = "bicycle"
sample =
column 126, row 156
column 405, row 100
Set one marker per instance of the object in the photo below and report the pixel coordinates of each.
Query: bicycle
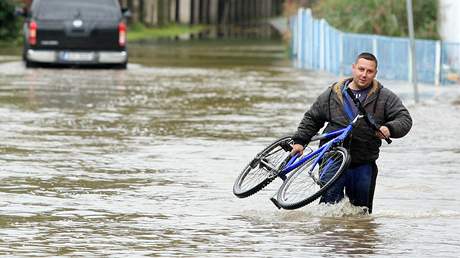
column 312, row 173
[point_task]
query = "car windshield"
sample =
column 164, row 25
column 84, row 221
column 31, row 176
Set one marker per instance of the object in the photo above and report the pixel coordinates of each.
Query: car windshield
column 81, row 9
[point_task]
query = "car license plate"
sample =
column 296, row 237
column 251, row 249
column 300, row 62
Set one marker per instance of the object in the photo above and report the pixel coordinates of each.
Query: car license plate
column 77, row 56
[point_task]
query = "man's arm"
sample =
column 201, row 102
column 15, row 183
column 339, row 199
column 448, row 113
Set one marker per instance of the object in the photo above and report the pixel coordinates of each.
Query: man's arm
column 398, row 119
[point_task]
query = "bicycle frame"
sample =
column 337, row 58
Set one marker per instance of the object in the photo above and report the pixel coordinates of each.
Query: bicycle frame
column 337, row 138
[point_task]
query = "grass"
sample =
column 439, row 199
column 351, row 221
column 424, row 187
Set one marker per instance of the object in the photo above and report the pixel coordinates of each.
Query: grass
column 138, row 32
column 11, row 46
column 11, row 42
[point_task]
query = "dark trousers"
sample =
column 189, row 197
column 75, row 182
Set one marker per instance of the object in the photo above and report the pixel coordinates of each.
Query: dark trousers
column 358, row 181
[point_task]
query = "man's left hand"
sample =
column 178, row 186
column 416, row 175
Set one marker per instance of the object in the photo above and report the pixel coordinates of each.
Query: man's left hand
column 385, row 131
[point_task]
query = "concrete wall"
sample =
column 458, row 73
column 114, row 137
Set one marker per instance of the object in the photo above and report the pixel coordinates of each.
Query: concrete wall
column 214, row 12
column 449, row 22
column 185, row 16
column 217, row 12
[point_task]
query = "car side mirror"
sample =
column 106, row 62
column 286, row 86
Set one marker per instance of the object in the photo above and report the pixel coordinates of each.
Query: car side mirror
column 126, row 12
column 21, row 11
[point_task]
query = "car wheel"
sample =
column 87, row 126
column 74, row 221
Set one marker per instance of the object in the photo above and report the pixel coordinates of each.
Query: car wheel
column 121, row 66
column 24, row 53
column 30, row 64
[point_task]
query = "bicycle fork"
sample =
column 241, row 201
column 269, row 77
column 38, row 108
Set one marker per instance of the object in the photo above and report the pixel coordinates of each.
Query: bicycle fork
column 282, row 174
column 322, row 167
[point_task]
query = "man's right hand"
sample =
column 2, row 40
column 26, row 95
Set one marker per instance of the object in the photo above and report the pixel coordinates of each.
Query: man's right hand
column 297, row 148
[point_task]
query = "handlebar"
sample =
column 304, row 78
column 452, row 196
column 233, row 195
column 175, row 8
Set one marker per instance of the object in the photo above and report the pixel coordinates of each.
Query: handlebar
column 367, row 117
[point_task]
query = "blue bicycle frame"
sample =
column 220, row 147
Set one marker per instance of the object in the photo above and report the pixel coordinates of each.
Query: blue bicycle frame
column 337, row 136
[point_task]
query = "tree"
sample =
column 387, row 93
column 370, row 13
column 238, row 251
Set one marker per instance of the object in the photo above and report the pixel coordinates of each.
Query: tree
column 384, row 17
column 9, row 27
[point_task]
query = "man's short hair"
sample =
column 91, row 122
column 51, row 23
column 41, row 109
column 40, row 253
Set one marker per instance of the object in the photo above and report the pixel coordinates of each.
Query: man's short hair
column 367, row 56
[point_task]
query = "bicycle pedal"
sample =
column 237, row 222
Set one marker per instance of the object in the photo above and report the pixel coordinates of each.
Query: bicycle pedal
column 275, row 202
column 273, row 174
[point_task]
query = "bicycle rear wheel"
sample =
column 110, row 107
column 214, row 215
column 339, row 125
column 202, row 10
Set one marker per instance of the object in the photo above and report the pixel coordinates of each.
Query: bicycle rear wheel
column 305, row 186
column 263, row 169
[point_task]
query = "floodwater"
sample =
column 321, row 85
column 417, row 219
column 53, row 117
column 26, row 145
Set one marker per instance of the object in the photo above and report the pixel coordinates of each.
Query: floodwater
column 113, row 163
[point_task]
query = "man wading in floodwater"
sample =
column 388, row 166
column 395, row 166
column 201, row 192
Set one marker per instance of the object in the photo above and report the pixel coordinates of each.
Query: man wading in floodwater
column 336, row 107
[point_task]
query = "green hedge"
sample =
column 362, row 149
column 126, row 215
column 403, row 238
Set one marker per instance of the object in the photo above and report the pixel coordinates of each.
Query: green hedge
column 384, row 17
column 9, row 24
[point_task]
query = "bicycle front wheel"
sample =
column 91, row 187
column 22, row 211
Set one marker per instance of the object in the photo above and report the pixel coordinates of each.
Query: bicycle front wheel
column 263, row 169
column 306, row 183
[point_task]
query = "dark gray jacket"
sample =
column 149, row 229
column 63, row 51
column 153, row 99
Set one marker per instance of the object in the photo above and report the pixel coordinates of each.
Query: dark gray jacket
column 385, row 107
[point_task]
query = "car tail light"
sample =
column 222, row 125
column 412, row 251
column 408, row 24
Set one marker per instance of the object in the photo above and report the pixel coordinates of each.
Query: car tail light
column 121, row 34
column 32, row 33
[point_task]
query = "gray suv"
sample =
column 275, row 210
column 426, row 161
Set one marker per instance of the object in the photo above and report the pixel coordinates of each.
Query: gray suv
column 75, row 32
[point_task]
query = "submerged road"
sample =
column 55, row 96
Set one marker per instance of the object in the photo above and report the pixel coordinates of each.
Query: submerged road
column 114, row 163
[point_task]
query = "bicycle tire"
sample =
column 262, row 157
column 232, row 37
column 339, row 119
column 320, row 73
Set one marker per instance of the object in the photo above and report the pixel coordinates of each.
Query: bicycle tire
column 303, row 187
column 256, row 175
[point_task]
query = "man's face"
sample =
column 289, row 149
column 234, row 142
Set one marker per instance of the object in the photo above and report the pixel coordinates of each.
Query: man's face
column 364, row 72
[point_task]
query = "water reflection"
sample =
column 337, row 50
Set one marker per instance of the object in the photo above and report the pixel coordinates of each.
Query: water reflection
column 348, row 236
column 141, row 162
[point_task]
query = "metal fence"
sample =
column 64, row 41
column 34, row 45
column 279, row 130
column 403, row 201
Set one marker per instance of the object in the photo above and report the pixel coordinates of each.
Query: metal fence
column 317, row 45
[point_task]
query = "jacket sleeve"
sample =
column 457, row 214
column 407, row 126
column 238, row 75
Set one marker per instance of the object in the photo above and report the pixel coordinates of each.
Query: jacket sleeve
column 313, row 120
column 397, row 117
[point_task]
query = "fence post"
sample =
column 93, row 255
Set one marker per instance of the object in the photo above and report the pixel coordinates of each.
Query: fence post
column 294, row 40
column 316, row 48
column 310, row 33
column 437, row 66
column 341, row 54
column 409, row 62
column 410, row 24
column 374, row 47
column 327, row 51
column 305, row 21
column 322, row 42
column 299, row 37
